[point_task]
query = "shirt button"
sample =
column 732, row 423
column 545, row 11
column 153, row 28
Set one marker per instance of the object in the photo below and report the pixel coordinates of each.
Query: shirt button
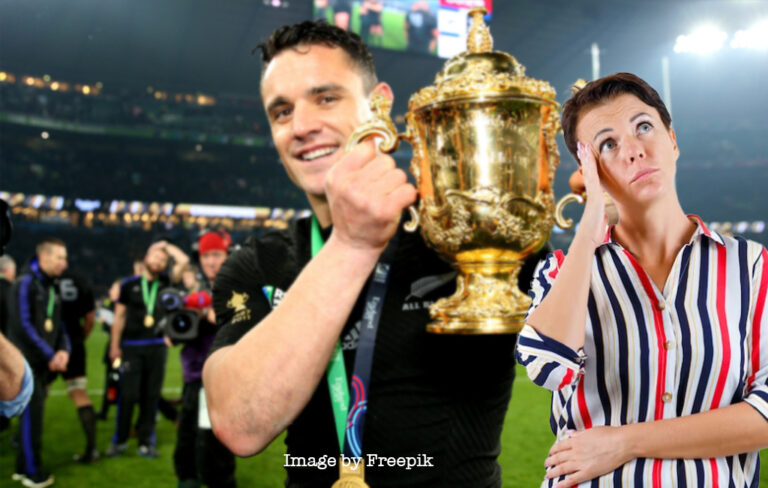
column 669, row 345
column 661, row 305
column 666, row 397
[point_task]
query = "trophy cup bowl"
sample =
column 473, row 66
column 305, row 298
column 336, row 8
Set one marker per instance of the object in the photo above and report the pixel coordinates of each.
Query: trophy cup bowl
column 484, row 160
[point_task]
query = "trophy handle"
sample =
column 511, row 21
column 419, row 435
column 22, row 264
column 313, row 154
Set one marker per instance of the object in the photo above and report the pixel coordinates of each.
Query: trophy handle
column 560, row 219
column 564, row 223
column 381, row 125
column 413, row 224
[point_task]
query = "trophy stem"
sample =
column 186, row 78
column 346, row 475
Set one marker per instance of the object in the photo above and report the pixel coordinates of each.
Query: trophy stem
column 486, row 301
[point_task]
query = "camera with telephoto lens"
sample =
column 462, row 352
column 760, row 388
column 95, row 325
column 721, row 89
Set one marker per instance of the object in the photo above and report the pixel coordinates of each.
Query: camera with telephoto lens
column 181, row 321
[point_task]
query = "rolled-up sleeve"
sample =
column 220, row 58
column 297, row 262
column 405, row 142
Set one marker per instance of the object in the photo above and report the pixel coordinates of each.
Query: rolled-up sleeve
column 757, row 383
column 549, row 363
column 14, row 407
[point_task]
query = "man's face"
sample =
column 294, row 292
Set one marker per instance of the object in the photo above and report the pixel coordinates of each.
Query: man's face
column 53, row 261
column 211, row 262
column 314, row 99
column 9, row 272
column 156, row 261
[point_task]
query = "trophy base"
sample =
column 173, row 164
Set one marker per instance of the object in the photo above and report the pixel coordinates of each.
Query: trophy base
column 486, row 301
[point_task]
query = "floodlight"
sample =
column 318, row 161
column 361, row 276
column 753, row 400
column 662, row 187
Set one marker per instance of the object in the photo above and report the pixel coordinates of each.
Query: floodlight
column 705, row 39
column 754, row 38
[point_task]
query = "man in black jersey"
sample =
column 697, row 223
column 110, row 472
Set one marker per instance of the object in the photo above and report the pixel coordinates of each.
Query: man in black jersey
column 36, row 329
column 135, row 343
column 77, row 314
column 283, row 304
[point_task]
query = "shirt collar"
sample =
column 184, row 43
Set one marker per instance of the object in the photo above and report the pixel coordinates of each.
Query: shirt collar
column 701, row 230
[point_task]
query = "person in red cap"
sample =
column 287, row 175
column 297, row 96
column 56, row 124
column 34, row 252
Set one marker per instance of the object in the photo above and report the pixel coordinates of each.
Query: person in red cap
column 199, row 458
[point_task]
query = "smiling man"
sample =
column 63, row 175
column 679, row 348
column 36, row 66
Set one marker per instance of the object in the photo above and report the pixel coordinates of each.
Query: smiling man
column 290, row 304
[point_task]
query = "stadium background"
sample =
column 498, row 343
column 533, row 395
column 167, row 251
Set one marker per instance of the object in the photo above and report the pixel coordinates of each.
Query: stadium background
column 157, row 103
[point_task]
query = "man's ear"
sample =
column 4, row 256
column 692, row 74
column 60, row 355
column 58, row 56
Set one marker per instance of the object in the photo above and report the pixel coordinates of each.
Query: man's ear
column 382, row 88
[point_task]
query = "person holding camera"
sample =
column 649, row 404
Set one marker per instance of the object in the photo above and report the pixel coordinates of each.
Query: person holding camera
column 199, row 457
column 136, row 345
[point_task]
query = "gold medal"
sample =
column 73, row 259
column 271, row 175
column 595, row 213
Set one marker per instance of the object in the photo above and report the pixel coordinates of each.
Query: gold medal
column 352, row 475
column 48, row 325
column 149, row 321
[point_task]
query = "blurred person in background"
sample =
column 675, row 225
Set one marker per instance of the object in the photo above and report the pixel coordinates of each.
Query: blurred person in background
column 370, row 22
column 37, row 330
column 342, row 12
column 199, row 457
column 421, row 28
column 77, row 313
column 7, row 277
column 138, row 347
column 105, row 315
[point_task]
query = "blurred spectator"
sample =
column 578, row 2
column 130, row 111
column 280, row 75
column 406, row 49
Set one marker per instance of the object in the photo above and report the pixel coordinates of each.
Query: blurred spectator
column 370, row 22
column 7, row 277
column 421, row 28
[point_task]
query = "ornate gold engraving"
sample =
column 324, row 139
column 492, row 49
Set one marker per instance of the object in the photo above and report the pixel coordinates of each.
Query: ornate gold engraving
column 484, row 159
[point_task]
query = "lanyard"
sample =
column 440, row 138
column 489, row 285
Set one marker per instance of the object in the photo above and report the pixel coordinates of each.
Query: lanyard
column 51, row 299
column 349, row 416
column 149, row 298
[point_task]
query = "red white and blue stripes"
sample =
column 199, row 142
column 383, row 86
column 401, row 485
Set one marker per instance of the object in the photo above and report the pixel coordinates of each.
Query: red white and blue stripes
column 649, row 354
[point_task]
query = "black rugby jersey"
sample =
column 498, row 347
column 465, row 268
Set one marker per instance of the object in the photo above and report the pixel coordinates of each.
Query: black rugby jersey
column 440, row 396
column 76, row 302
column 131, row 296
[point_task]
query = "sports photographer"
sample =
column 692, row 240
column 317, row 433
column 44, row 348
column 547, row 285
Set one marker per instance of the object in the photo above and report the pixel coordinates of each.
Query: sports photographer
column 137, row 343
column 199, row 457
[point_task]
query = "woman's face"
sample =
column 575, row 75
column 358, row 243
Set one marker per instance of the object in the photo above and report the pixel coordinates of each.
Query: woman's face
column 636, row 155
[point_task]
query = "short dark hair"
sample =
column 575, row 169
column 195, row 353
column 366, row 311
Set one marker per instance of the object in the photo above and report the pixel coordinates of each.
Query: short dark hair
column 602, row 90
column 46, row 244
column 320, row 32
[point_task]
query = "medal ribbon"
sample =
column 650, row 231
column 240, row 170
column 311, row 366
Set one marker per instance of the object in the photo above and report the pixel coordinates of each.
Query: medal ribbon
column 51, row 300
column 149, row 298
column 349, row 416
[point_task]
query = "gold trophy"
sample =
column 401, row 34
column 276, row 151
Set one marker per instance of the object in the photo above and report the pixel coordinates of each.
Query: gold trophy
column 484, row 159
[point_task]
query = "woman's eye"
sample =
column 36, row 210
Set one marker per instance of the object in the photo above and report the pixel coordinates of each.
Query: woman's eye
column 644, row 127
column 607, row 145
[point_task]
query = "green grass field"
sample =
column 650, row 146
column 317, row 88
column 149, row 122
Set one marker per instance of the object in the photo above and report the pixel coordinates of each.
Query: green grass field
column 525, row 440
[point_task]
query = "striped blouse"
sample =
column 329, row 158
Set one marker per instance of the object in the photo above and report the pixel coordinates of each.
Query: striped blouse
column 650, row 354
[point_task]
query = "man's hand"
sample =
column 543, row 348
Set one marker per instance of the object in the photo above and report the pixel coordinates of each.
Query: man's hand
column 587, row 454
column 59, row 361
column 367, row 194
column 114, row 353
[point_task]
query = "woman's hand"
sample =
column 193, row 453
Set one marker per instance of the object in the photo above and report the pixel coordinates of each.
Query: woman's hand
column 593, row 221
column 587, row 454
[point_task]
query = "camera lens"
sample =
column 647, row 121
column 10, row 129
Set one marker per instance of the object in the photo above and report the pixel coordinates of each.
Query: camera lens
column 181, row 323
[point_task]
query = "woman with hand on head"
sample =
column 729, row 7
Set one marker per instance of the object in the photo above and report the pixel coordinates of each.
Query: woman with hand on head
column 652, row 334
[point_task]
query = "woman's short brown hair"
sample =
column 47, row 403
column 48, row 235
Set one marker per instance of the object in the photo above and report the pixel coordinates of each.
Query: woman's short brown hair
column 602, row 90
